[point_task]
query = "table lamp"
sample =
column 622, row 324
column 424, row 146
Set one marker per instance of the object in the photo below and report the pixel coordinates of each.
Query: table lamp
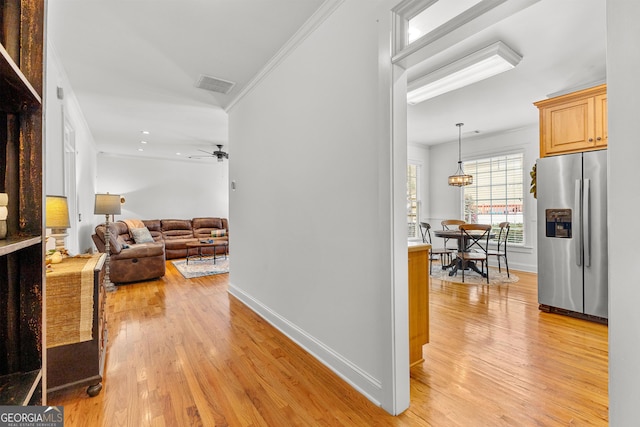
column 107, row 204
column 57, row 219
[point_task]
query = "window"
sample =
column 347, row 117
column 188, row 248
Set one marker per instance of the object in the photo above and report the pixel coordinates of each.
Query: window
column 412, row 200
column 497, row 193
column 437, row 14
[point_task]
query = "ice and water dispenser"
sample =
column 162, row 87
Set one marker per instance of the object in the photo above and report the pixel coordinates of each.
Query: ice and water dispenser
column 558, row 222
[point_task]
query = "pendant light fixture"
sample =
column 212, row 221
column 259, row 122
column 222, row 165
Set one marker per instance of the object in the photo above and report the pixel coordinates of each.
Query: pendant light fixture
column 460, row 179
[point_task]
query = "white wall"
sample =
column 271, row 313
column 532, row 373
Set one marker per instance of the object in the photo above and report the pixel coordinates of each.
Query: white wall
column 56, row 111
column 311, row 166
column 623, row 97
column 444, row 201
column 158, row 188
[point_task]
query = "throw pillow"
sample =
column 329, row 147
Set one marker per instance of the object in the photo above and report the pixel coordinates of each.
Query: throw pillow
column 141, row 235
column 218, row 233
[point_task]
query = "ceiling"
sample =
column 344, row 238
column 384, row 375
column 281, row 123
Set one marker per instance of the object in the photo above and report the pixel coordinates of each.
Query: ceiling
column 133, row 66
column 563, row 47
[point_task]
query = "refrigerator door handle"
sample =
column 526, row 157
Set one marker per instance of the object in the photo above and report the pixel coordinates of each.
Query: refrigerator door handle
column 578, row 218
column 586, row 222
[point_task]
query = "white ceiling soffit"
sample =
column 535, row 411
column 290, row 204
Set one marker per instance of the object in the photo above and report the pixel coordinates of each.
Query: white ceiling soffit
column 471, row 68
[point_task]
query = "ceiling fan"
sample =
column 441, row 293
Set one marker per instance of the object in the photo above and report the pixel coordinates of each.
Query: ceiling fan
column 218, row 153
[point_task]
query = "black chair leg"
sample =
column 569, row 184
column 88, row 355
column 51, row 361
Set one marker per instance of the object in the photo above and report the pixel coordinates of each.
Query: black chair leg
column 506, row 263
column 487, row 264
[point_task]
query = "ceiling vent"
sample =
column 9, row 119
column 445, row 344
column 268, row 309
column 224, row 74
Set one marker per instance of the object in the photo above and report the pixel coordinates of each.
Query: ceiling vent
column 214, row 84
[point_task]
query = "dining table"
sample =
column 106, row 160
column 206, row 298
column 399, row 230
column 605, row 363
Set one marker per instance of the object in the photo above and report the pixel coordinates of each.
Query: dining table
column 462, row 239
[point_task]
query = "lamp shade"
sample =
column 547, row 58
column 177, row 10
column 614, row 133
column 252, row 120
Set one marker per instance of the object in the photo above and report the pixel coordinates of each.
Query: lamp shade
column 57, row 212
column 107, row 204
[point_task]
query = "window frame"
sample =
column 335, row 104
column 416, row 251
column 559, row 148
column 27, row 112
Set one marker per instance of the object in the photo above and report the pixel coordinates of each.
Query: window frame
column 495, row 156
column 409, row 9
column 418, row 200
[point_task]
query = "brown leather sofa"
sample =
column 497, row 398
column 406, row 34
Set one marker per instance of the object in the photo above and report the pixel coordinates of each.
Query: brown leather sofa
column 132, row 262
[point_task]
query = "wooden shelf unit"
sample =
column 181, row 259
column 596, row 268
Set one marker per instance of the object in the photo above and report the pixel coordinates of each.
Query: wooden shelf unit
column 22, row 252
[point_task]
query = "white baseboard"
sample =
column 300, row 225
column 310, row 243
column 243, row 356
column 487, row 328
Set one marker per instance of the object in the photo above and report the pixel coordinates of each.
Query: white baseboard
column 364, row 383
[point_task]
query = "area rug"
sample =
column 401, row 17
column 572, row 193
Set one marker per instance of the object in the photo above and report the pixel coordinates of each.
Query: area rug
column 473, row 278
column 201, row 267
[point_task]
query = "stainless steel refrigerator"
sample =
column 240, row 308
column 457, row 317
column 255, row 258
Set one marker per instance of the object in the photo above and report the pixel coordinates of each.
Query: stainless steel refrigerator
column 572, row 233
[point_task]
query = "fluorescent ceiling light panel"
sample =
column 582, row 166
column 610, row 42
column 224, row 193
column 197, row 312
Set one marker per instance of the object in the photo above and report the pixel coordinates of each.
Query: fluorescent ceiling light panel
column 493, row 59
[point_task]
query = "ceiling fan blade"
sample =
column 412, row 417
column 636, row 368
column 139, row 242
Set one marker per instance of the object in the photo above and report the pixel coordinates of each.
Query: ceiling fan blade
column 201, row 157
column 208, row 152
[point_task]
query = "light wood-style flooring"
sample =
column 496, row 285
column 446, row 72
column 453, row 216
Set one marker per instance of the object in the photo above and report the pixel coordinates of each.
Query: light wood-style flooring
column 186, row 353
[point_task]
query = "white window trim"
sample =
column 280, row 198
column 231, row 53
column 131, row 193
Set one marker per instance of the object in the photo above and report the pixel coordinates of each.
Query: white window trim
column 473, row 20
column 518, row 247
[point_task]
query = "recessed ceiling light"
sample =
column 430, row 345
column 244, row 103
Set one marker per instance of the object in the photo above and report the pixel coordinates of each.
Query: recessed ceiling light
column 140, row 149
column 143, row 142
column 145, row 132
column 178, row 154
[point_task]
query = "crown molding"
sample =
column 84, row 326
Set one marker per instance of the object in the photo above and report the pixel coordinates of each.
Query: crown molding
column 324, row 11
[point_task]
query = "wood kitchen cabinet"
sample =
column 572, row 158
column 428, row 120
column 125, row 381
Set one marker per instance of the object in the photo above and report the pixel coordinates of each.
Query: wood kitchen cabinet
column 574, row 122
column 418, row 301
column 76, row 324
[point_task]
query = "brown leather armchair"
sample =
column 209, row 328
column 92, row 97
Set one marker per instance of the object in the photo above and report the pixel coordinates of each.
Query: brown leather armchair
column 130, row 261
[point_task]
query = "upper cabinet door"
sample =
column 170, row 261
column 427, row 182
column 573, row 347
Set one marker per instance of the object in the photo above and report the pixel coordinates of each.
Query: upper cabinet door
column 574, row 122
column 602, row 136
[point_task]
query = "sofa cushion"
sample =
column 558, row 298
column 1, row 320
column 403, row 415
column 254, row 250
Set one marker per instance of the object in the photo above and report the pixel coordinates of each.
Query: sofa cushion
column 208, row 227
column 176, row 229
column 207, row 222
column 155, row 228
column 178, row 244
column 141, row 250
column 141, row 235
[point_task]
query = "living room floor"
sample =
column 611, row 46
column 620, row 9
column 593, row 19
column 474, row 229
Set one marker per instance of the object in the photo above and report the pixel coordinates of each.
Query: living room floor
column 184, row 352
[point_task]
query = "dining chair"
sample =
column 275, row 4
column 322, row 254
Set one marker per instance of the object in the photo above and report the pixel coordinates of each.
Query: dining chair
column 476, row 237
column 443, row 253
column 451, row 224
column 501, row 251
